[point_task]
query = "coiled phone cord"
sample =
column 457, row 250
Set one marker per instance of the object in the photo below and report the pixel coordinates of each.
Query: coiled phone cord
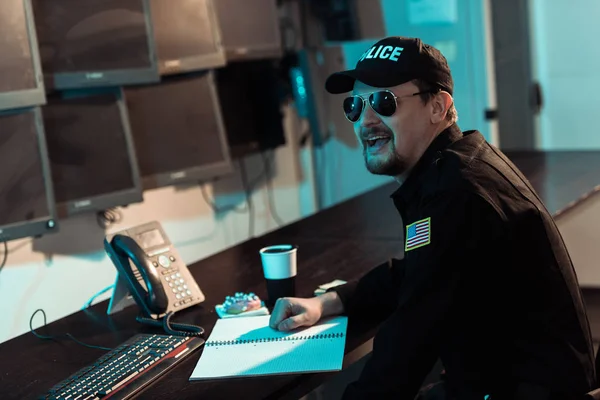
column 172, row 328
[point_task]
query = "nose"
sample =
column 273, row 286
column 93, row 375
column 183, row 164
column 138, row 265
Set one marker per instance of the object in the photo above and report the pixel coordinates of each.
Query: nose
column 369, row 117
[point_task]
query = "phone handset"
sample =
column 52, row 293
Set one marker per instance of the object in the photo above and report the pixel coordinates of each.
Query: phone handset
column 153, row 298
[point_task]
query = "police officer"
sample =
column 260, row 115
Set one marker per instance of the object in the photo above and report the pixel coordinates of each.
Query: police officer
column 486, row 284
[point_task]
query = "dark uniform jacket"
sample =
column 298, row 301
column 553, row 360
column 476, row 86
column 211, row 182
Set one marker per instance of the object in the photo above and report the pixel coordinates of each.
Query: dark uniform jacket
column 486, row 285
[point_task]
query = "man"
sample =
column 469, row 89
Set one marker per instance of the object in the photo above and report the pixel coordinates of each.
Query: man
column 486, row 284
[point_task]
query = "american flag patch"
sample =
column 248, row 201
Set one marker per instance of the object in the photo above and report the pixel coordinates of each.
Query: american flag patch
column 418, row 234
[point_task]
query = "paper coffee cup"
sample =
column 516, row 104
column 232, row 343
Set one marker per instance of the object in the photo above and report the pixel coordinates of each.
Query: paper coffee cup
column 279, row 261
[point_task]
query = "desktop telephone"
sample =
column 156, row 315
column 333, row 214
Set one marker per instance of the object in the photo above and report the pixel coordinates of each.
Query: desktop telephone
column 156, row 277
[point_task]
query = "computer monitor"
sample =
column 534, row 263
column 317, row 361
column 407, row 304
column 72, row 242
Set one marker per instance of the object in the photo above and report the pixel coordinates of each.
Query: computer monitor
column 21, row 83
column 250, row 101
column 95, row 43
column 26, row 196
column 249, row 29
column 91, row 151
column 187, row 35
column 178, row 130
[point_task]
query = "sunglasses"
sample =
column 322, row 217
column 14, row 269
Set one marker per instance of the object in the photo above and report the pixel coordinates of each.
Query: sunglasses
column 383, row 102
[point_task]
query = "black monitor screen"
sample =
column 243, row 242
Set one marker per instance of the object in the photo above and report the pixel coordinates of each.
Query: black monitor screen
column 249, row 94
column 183, row 28
column 248, row 27
column 18, row 72
column 23, row 195
column 87, row 146
column 92, row 35
column 176, row 124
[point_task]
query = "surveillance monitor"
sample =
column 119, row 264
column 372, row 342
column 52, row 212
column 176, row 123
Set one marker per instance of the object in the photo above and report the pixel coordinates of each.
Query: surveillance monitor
column 27, row 205
column 91, row 151
column 21, row 82
column 96, row 43
column 249, row 29
column 250, row 100
column 187, row 36
column 178, row 130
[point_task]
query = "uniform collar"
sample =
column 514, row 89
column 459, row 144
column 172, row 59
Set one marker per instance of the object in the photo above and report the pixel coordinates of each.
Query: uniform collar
column 431, row 155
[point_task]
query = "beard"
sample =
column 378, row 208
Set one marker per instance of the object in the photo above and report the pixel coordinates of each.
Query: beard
column 391, row 164
column 386, row 160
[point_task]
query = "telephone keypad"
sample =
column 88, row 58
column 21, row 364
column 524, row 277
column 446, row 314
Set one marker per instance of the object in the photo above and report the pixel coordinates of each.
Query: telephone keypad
column 175, row 280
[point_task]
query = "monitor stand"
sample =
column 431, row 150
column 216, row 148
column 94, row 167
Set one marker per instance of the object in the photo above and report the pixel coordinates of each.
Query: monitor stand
column 121, row 298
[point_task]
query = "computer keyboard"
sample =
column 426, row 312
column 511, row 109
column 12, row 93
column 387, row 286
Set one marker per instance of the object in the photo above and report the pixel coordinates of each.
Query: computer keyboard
column 127, row 369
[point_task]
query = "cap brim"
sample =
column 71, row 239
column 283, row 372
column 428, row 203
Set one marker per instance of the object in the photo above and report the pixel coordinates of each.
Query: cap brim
column 343, row 82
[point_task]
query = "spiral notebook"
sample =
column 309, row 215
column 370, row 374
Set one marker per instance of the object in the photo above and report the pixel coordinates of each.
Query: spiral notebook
column 244, row 347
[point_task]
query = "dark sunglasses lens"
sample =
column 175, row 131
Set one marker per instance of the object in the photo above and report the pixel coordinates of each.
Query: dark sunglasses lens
column 383, row 103
column 353, row 108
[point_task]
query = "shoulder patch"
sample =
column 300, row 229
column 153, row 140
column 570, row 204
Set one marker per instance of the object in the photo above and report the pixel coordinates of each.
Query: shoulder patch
column 418, row 234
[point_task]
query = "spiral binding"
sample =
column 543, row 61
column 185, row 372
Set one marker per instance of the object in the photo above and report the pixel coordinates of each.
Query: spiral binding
column 267, row 340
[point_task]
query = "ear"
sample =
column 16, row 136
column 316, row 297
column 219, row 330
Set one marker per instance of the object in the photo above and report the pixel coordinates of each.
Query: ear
column 440, row 104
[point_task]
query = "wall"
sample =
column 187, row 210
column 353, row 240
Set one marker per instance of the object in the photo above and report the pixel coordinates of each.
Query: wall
column 514, row 82
column 567, row 65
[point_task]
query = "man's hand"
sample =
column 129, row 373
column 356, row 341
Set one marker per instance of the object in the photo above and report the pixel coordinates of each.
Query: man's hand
column 291, row 312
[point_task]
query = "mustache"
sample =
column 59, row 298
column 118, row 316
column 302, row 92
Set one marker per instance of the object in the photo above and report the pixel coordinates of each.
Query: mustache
column 366, row 133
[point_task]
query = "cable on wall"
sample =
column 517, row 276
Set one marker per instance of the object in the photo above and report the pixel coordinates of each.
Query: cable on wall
column 67, row 335
column 268, row 164
column 4, row 256
column 109, row 217
column 248, row 191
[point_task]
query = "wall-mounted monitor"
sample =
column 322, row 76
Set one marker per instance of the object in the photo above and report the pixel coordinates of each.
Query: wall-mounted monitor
column 27, row 205
column 249, row 96
column 249, row 29
column 96, row 43
column 21, row 79
column 187, row 35
column 178, row 130
column 91, row 151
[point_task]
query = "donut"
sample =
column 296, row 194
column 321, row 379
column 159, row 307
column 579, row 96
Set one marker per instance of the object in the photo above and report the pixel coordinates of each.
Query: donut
column 241, row 302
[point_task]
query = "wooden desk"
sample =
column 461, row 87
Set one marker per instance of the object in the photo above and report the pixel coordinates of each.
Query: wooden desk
column 369, row 216
column 562, row 178
column 30, row 366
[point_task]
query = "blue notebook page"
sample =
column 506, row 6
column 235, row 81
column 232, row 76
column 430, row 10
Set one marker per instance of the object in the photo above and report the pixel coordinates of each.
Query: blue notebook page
column 243, row 347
